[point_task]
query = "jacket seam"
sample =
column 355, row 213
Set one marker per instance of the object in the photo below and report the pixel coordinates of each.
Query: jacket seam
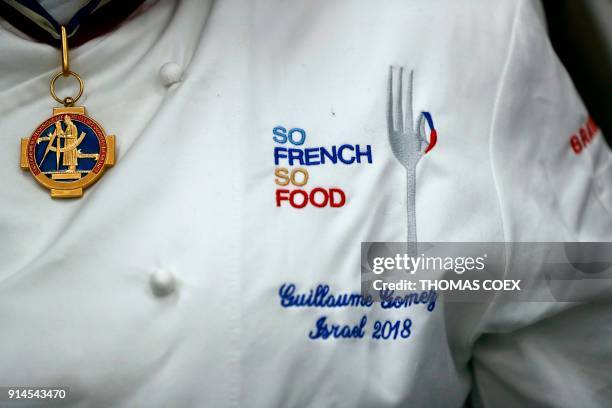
column 493, row 124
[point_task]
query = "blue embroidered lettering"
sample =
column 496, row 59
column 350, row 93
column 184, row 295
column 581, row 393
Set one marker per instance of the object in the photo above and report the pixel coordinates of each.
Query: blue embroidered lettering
column 296, row 154
column 367, row 153
column 315, row 156
column 279, row 153
column 342, row 159
column 324, row 330
column 388, row 301
column 312, row 157
column 321, row 297
column 332, row 156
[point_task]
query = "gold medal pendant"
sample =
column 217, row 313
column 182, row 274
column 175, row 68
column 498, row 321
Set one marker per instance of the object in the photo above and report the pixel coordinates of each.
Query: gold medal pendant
column 69, row 151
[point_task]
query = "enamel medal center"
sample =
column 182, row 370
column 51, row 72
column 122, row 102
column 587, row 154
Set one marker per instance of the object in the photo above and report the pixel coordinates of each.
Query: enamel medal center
column 68, row 152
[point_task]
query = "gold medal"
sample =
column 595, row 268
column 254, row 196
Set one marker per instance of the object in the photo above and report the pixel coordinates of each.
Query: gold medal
column 69, row 151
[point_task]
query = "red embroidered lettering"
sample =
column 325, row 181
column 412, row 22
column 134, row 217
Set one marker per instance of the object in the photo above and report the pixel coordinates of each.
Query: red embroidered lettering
column 587, row 132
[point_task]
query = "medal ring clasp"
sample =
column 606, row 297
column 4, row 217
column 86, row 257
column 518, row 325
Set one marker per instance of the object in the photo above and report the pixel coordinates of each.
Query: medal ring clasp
column 66, row 72
column 68, row 101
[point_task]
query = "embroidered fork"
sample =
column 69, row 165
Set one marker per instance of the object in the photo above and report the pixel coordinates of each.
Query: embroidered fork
column 408, row 139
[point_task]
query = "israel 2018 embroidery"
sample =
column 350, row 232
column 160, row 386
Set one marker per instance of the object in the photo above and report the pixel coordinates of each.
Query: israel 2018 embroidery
column 69, row 151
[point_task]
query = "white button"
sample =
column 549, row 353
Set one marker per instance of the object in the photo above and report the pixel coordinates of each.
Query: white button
column 162, row 283
column 170, row 73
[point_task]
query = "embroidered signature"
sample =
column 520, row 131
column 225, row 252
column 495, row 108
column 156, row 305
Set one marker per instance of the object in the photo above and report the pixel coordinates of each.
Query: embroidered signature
column 382, row 330
column 321, row 297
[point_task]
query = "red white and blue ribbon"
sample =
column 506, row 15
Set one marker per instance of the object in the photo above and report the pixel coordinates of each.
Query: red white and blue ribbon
column 95, row 18
column 433, row 134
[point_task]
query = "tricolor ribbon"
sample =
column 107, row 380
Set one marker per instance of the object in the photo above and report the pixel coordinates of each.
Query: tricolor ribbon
column 433, row 134
column 95, row 18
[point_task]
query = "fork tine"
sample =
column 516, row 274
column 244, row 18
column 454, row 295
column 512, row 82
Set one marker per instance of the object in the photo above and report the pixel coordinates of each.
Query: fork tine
column 420, row 133
column 399, row 103
column 390, row 123
column 409, row 118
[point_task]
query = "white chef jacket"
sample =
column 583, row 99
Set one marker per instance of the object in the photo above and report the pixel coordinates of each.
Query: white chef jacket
column 191, row 207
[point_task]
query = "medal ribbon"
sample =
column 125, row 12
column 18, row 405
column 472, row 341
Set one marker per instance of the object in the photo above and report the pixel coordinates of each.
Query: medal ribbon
column 95, row 18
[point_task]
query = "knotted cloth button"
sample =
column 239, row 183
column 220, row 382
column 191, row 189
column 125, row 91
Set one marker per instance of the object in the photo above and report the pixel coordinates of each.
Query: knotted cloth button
column 162, row 283
column 170, row 73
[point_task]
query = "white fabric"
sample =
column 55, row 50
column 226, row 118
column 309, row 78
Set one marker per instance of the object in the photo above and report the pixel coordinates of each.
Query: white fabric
column 193, row 194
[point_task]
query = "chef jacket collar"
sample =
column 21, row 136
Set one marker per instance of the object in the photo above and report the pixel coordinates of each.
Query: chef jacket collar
column 95, row 18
